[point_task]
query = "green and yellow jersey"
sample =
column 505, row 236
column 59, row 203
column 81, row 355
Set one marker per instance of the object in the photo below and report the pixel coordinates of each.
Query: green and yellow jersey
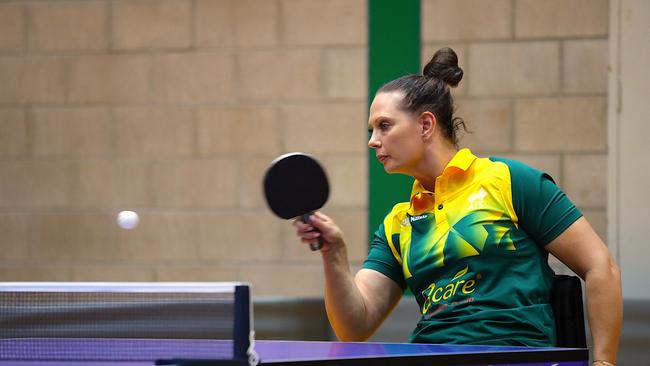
column 472, row 252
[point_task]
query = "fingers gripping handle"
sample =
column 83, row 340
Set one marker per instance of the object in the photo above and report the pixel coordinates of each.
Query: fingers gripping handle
column 318, row 243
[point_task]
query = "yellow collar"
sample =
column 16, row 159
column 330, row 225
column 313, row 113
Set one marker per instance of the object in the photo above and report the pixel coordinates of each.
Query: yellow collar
column 461, row 161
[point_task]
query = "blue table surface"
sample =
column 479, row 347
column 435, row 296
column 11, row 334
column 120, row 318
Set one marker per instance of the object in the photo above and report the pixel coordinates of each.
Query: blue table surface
column 289, row 350
column 35, row 350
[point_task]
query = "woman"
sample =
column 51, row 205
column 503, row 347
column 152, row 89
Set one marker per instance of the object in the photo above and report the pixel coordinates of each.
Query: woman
column 471, row 244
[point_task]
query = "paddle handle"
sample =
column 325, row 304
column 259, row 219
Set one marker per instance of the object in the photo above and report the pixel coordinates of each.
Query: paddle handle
column 318, row 243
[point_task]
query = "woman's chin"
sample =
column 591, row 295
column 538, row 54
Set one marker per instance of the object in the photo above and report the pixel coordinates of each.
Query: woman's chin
column 396, row 169
column 390, row 169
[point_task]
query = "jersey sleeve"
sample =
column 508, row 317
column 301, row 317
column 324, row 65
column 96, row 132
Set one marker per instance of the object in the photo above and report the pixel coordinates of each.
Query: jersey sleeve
column 543, row 210
column 381, row 259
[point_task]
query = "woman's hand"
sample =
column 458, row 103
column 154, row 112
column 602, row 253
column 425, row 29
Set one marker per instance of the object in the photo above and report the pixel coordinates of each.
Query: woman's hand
column 320, row 226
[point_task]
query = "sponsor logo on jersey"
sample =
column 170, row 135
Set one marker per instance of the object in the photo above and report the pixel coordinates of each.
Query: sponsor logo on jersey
column 417, row 218
column 456, row 291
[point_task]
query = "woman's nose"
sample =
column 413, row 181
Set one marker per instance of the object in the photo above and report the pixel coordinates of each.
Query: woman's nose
column 373, row 142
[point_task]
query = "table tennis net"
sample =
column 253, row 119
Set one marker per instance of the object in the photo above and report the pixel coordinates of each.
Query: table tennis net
column 47, row 316
column 114, row 349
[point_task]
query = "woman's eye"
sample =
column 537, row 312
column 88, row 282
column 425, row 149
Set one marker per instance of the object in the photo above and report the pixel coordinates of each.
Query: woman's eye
column 381, row 126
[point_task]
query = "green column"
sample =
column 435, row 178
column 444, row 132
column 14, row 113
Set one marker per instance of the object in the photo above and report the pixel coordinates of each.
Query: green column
column 393, row 51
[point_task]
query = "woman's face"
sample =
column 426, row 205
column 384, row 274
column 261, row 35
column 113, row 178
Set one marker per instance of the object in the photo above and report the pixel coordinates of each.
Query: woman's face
column 396, row 134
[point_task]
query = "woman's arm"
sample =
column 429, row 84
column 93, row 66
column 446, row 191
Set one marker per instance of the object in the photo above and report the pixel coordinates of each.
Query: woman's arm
column 580, row 248
column 356, row 305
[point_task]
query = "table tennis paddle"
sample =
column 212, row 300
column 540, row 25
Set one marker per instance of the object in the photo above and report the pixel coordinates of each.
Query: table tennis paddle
column 295, row 185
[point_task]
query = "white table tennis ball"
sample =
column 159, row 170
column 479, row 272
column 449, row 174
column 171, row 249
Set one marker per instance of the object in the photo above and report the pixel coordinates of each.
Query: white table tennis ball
column 127, row 220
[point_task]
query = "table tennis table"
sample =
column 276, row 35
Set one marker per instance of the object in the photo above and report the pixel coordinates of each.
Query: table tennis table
column 120, row 324
column 123, row 352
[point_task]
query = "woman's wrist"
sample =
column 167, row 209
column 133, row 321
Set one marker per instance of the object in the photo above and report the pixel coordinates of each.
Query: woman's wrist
column 335, row 253
column 602, row 363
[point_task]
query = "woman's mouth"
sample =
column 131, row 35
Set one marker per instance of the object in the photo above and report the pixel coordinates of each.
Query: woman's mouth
column 382, row 158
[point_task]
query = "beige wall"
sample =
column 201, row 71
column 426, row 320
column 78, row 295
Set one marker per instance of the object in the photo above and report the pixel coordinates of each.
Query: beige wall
column 173, row 108
column 629, row 137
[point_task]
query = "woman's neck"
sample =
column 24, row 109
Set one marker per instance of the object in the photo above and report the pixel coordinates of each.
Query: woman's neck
column 433, row 164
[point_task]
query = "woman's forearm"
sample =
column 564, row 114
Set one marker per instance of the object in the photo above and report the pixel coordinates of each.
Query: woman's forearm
column 605, row 310
column 343, row 301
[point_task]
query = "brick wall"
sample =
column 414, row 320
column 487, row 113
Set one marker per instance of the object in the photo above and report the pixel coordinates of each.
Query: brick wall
column 173, row 108
column 535, row 86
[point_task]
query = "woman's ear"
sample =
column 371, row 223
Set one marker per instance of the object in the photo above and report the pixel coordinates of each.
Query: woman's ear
column 427, row 124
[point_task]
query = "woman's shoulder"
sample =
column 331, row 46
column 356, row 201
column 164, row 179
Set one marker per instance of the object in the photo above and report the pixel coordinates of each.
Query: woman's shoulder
column 519, row 170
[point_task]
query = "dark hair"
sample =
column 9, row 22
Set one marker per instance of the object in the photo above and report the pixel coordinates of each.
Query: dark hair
column 431, row 91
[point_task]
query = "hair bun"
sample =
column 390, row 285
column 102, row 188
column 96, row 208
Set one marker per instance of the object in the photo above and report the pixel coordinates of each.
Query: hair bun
column 444, row 66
